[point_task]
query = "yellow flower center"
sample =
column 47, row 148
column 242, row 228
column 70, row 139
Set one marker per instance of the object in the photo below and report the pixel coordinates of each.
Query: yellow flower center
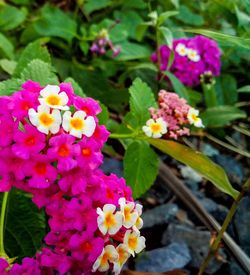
column 155, row 127
column 132, row 242
column 194, row 117
column 76, row 123
column 105, row 258
column 109, row 220
column 126, row 213
column 122, row 255
column 53, row 100
column 46, row 119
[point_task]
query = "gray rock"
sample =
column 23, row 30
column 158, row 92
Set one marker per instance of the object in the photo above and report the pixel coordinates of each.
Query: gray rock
column 111, row 165
column 209, row 150
column 242, row 224
column 174, row 256
column 209, row 204
column 159, row 215
column 197, row 241
column 233, row 168
column 235, row 269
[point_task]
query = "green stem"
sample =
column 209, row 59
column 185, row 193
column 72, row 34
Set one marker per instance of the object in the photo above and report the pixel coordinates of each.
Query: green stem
column 215, row 245
column 210, row 95
column 2, row 222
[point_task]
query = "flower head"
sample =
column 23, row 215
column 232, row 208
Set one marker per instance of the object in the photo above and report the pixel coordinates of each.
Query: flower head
column 44, row 120
column 155, row 128
column 128, row 212
column 78, row 124
column 134, row 242
column 193, row 118
column 123, row 253
column 108, row 221
column 52, row 97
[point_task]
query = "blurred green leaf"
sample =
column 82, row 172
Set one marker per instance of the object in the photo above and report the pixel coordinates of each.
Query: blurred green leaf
column 9, row 86
column 165, row 15
column 39, row 71
column 25, row 226
column 229, row 89
column 93, row 5
column 11, row 17
column 104, row 115
column 140, row 167
column 179, row 88
column 8, row 65
column 244, row 89
column 189, row 17
column 243, row 18
column 6, row 47
column 223, row 38
column 199, row 162
column 34, row 50
column 131, row 51
column 52, row 22
column 141, row 99
column 77, row 88
column 167, row 36
column 221, row 115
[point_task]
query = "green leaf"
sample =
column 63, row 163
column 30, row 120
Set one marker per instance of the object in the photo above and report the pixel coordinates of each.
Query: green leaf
column 141, row 99
column 131, row 51
column 25, row 226
column 199, row 162
column 140, row 167
column 243, row 18
column 141, row 29
column 221, row 115
column 6, row 47
column 229, row 88
column 179, row 88
column 104, row 115
column 167, row 36
column 34, row 50
column 11, row 17
column 165, row 15
column 9, row 86
column 244, row 89
column 77, row 88
column 187, row 16
column 52, row 22
column 93, row 5
column 8, row 65
column 39, row 71
column 223, row 38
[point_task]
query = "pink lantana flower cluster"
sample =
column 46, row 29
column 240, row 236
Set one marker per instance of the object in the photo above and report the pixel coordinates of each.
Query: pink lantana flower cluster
column 50, row 146
column 194, row 57
column 171, row 118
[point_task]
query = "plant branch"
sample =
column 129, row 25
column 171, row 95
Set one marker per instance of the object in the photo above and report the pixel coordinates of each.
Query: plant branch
column 2, row 222
column 215, row 245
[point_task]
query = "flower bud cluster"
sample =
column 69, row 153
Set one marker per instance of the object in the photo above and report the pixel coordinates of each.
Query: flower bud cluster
column 102, row 43
column 171, row 118
column 50, row 146
column 193, row 57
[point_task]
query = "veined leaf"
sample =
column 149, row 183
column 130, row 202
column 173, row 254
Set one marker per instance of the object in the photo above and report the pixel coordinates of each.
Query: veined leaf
column 140, row 167
column 221, row 115
column 8, row 65
column 9, row 86
column 6, row 47
column 104, row 115
column 141, row 99
column 25, row 225
column 39, row 71
column 199, row 162
column 34, row 50
column 223, row 38
column 77, row 88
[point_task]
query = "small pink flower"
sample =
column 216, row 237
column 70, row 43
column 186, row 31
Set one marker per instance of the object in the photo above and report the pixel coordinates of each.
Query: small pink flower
column 88, row 105
column 63, row 150
column 29, row 142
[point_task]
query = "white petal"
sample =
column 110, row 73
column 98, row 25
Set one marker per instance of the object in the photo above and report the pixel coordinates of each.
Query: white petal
column 198, row 123
column 149, row 122
column 158, row 135
column 99, row 211
column 66, row 120
column 97, row 262
column 54, row 129
column 122, row 202
column 89, row 126
column 141, row 244
column 64, row 98
column 43, row 108
column 49, row 89
column 79, row 114
column 129, row 223
column 43, row 129
column 101, row 225
column 138, row 208
column 109, row 208
column 76, row 133
column 56, row 114
column 33, row 116
column 114, row 229
column 110, row 249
